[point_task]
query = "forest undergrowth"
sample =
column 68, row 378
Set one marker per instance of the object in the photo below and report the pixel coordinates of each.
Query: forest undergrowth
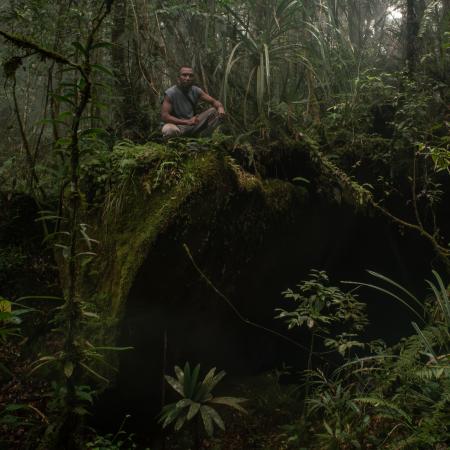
column 352, row 105
column 388, row 397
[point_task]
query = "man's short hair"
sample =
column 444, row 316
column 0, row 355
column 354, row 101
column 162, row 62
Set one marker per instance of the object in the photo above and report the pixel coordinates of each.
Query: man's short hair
column 185, row 66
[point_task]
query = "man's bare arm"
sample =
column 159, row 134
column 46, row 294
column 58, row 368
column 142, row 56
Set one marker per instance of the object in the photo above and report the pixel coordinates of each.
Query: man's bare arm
column 166, row 116
column 208, row 99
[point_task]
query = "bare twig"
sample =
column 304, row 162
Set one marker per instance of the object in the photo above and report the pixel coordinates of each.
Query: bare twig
column 241, row 317
column 443, row 253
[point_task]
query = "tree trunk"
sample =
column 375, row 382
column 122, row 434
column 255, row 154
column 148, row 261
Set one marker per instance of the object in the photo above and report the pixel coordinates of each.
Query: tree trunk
column 122, row 112
column 355, row 25
column 444, row 27
column 412, row 30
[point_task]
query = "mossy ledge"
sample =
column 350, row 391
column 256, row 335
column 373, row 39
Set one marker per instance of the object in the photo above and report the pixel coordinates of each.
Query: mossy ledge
column 175, row 189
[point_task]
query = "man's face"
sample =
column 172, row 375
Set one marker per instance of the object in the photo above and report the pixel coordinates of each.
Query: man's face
column 186, row 77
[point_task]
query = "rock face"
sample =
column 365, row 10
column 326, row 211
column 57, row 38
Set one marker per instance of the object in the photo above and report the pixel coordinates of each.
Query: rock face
column 252, row 237
column 145, row 287
column 202, row 199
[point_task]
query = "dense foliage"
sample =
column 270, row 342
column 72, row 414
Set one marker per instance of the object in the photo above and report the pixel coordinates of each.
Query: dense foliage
column 360, row 86
column 392, row 397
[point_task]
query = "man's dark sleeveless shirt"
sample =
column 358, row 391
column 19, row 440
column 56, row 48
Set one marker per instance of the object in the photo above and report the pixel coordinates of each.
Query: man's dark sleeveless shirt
column 181, row 107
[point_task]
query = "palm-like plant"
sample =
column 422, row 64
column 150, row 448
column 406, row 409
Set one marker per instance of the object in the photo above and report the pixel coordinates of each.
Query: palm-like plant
column 286, row 52
column 263, row 47
column 197, row 399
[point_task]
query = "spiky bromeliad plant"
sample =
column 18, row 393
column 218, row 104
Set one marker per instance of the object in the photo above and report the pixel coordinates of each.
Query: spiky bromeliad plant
column 197, row 400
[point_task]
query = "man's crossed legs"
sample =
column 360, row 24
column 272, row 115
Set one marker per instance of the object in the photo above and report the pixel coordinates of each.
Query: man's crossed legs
column 208, row 122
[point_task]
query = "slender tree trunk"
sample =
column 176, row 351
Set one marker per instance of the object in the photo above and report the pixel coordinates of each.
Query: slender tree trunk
column 121, row 113
column 412, row 30
column 354, row 24
column 444, row 27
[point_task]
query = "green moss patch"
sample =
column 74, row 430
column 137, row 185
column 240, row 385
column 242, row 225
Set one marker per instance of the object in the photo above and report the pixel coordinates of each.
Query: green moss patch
column 172, row 189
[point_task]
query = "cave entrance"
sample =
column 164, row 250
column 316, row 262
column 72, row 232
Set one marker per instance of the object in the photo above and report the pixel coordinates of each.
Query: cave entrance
column 173, row 316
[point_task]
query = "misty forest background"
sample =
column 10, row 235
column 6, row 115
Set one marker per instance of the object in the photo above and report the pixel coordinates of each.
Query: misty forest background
column 356, row 90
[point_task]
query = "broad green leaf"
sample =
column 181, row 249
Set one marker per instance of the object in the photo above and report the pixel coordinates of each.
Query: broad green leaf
column 267, row 66
column 180, row 374
column 444, row 297
column 209, row 376
column 215, row 380
column 14, row 407
column 328, row 428
column 180, row 422
column 51, row 121
column 103, row 44
column 231, row 61
column 207, row 420
column 94, row 373
column 85, row 396
column 101, row 68
column 233, row 402
column 425, row 341
column 194, row 381
column 45, row 358
column 68, row 369
column 81, row 83
column 64, row 99
column 169, row 414
column 183, row 403
column 398, row 286
column 385, row 291
column 41, row 362
column 65, row 115
column 215, row 417
column 381, row 403
column 193, row 410
column 304, row 180
column 79, row 47
column 187, row 379
column 91, row 132
column 9, row 419
column 175, row 384
column 62, row 142
column 201, row 394
column 39, row 297
column 90, row 315
column 86, row 254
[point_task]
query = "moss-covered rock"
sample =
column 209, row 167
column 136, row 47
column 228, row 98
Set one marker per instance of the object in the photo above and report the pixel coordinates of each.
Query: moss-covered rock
column 192, row 192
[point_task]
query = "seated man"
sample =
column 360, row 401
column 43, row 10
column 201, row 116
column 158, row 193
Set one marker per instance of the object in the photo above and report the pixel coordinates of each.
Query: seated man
column 178, row 109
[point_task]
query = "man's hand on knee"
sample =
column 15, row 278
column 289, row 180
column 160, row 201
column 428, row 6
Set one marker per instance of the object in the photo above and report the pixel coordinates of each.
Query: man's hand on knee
column 193, row 121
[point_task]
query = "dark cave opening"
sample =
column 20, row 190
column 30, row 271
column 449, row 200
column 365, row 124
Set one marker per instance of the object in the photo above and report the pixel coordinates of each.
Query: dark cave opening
column 173, row 316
